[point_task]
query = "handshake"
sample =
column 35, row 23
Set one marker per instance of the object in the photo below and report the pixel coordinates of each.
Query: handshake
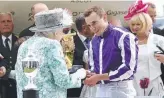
column 78, row 71
column 89, row 78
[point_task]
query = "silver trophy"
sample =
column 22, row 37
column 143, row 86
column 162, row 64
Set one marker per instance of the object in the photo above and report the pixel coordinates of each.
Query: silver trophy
column 30, row 66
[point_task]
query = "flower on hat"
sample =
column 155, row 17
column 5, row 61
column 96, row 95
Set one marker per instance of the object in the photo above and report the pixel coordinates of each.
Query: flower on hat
column 67, row 18
column 136, row 8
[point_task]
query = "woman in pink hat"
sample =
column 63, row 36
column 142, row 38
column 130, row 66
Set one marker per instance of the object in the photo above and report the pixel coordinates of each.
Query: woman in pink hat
column 147, row 81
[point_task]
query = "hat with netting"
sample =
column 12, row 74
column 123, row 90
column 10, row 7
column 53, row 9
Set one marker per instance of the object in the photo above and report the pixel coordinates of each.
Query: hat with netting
column 51, row 20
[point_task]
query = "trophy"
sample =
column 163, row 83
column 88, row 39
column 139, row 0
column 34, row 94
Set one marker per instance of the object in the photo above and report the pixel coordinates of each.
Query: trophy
column 30, row 67
column 68, row 48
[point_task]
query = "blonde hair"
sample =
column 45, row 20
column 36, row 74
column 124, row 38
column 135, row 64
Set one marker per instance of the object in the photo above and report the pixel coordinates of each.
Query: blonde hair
column 144, row 19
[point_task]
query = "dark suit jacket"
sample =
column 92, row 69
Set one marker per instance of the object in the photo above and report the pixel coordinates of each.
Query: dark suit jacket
column 27, row 32
column 158, row 31
column 78, row 52
column 10, row 57
column 3, row 62
column 77, row 60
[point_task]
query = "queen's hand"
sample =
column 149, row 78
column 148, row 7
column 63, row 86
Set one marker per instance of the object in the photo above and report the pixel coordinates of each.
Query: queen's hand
column 81, row 73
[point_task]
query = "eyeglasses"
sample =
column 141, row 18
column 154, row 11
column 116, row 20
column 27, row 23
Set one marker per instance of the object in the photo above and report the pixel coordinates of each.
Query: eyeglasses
column 66, row 30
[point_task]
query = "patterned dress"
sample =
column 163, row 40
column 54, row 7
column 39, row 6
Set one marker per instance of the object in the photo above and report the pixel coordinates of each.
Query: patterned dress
column 53, row 78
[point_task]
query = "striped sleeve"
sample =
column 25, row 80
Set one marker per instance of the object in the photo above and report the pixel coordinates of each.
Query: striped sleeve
column 129, row 53
column 91, row 62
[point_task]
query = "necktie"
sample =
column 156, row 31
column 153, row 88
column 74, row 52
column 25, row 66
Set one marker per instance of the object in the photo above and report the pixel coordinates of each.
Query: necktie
column 7, row 44
column 87, row 40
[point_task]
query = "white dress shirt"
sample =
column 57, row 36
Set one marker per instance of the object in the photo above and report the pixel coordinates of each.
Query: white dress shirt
column 9, row 42
column 85, row 54
column 82, row 38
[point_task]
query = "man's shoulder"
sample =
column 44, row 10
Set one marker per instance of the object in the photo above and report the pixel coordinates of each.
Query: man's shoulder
column 158, row 31
column 26, row 32
column 155, row 28
column 14, row 36
column 76, row 37
column 122, row 32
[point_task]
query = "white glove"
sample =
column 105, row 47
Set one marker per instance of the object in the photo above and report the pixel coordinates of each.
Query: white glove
column 81, row 73
column 12, row 74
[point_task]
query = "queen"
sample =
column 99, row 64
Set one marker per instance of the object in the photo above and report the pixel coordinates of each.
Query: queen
column 52, row 78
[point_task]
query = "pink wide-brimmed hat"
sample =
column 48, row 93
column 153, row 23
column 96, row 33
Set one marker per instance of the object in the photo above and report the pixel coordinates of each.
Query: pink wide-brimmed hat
column 136, row 8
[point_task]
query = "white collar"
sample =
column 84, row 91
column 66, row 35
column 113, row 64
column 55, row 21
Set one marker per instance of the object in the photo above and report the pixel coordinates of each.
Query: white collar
column 4, row 37
column 82, row 37
column 9, row 42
